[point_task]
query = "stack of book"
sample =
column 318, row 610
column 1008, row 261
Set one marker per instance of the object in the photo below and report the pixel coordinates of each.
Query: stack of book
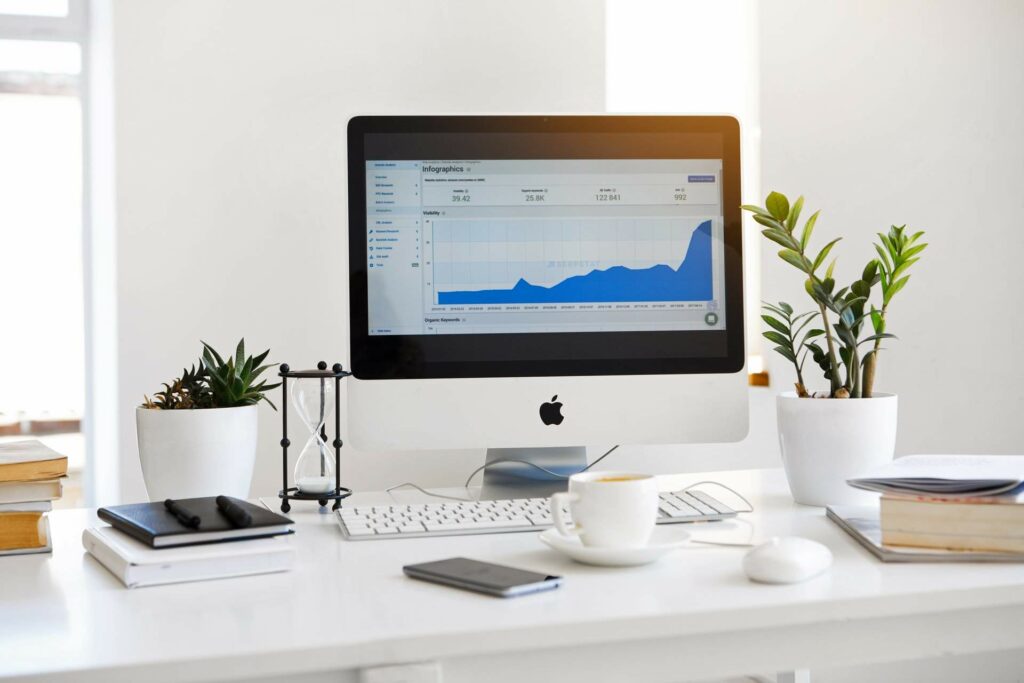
column 194, row 539
column 954, row 504
column 30, row 480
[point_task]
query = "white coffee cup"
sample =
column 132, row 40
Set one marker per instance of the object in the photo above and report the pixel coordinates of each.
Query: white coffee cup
column 609, row 509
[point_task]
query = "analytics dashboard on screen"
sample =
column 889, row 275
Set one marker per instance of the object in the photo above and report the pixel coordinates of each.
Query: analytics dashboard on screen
column 489, row 246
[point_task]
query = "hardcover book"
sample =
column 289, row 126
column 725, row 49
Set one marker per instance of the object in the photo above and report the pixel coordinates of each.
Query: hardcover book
column 155, row 526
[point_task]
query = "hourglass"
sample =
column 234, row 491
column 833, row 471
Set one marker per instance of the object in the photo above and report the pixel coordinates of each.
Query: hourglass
column 313, row 396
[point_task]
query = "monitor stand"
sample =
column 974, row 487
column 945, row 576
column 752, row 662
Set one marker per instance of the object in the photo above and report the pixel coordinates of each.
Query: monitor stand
column 503, row 480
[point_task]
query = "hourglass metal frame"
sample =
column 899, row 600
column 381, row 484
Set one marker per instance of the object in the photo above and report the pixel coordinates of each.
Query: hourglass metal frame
column 292, row 492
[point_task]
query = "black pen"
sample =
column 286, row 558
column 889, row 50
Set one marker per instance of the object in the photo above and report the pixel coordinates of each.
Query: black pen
column 236, row 514
column 183, row 515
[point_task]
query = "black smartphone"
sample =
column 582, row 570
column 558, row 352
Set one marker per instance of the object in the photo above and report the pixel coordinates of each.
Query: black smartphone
column 483, row 577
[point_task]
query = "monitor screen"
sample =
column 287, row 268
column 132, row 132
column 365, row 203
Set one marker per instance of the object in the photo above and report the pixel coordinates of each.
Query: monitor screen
column 535, row 246
column 531, row 245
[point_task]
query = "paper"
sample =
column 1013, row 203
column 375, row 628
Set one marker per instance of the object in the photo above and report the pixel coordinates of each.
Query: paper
column 979, row 475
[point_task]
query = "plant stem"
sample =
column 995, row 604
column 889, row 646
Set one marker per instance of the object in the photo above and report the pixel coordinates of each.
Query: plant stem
column 855, row 386
column 831, row 350
column 868, row 385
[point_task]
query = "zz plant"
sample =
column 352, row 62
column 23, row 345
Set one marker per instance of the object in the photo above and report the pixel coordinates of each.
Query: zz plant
column 217, row 383
column 841, row 313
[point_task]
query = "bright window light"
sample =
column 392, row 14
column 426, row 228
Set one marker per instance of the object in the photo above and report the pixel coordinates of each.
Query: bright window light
column 36, row 8
column 40, row 56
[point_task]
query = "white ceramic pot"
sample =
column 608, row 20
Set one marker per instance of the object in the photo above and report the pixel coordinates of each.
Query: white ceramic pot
column 825, row 441
column 193, row 453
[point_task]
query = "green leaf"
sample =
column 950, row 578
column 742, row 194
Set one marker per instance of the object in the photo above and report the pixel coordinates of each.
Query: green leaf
column 884, row 263
column 823, row 254
column 786, row 307
column 914, row 250
column 772, row 322
column 757, row 210
column 219, row 360
column 240, row 353
column 785, row 353
column 777, row 205
column 889, row 246
column 847, row 316
column 896, row 287
column 769, row 222
column 877, row 321
column 811, row 334
column 795, row 259
column 870, row 274
column 794, row 215
column 780, row 237
column 902, row 268
column 805, row 238
column 876, row 336
column 830, row 270
column 779, row 339
column 915, row 237
column 861, row 288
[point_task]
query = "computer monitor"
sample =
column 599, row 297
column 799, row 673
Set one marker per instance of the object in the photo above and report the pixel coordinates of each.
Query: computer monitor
column 535, row 284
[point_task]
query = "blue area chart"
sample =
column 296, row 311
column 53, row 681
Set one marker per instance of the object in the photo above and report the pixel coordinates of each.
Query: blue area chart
column 691, row 281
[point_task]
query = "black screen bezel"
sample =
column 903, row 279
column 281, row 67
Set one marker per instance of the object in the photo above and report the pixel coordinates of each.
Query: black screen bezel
column 546, row 354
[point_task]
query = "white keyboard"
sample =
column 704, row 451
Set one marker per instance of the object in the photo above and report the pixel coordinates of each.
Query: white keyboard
column 454, row 518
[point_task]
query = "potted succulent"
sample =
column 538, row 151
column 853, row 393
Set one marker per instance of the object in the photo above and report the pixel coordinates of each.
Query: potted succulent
column 197, row 437
column 829, row 436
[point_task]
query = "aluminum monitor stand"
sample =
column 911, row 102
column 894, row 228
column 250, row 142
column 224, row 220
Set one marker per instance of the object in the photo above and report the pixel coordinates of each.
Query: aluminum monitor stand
column 503, row 480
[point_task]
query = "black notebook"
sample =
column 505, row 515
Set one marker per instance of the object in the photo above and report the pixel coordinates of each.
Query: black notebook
column 155, row 526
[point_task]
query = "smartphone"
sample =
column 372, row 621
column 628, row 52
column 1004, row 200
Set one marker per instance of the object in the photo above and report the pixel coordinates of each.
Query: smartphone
column 483, row 577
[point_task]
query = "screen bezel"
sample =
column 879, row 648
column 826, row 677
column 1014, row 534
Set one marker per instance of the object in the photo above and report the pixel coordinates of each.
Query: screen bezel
column 545, row 354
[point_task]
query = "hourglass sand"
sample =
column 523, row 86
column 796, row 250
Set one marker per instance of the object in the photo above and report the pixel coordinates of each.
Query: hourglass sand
column 313, row 396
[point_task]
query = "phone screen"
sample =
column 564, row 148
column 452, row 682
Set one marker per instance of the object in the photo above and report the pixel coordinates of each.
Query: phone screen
column 484, row 577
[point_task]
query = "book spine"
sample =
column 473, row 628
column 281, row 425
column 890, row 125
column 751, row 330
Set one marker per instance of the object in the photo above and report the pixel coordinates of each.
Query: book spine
column 125, row 526
column 896, row 537
column 114, row 563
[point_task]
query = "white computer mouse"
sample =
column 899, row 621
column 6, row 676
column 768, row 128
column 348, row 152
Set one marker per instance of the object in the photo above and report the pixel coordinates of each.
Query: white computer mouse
column 789, row 559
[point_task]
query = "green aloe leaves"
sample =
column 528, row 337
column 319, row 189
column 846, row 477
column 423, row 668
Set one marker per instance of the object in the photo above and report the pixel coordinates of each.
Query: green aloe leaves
column 217, row 383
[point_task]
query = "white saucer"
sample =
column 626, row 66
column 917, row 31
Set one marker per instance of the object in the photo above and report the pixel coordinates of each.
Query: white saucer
column 663, row 541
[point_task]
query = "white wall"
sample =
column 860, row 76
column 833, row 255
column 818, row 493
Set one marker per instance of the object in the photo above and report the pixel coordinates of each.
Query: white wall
column 231, row 168
column 909, row 112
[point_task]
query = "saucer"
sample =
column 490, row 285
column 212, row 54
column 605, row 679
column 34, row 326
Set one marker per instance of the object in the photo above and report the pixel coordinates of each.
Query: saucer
column 663, row 541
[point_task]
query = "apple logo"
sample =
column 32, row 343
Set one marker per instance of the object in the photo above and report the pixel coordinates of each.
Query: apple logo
column 551, row 413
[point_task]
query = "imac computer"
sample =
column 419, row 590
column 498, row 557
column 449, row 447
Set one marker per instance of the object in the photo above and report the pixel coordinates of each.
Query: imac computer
column 534, row 284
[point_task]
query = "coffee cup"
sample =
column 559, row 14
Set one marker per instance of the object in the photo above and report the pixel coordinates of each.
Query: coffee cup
column 609, row 509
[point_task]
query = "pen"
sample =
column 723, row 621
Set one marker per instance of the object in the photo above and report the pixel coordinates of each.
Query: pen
column 184, row 516
column 238, row 516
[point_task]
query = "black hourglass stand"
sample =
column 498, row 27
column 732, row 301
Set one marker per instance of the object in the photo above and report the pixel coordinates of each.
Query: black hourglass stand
column 292, row 492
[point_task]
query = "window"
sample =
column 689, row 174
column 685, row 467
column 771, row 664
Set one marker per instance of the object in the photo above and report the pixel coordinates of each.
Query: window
column 696, row 57
column 42, row 390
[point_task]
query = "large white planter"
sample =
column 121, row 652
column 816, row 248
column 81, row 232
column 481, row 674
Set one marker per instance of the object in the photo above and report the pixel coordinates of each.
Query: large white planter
column 824, row 442
column 194, row 453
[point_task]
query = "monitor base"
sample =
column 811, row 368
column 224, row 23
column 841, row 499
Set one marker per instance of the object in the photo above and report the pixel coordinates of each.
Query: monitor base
column 504, row 480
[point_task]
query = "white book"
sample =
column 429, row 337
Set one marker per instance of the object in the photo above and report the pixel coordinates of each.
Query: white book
column 34, row 506
column 136, row 564
column 30, row 491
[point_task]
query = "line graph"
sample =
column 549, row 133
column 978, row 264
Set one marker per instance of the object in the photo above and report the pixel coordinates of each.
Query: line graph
column 573, row 261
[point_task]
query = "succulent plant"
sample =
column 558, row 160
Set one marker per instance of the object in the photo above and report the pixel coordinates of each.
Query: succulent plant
column 233, row 382
column 216, row 383
column 186, row 392
column 849, row 374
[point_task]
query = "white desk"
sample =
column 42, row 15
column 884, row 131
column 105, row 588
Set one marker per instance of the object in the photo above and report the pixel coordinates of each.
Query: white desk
column 347, row 606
